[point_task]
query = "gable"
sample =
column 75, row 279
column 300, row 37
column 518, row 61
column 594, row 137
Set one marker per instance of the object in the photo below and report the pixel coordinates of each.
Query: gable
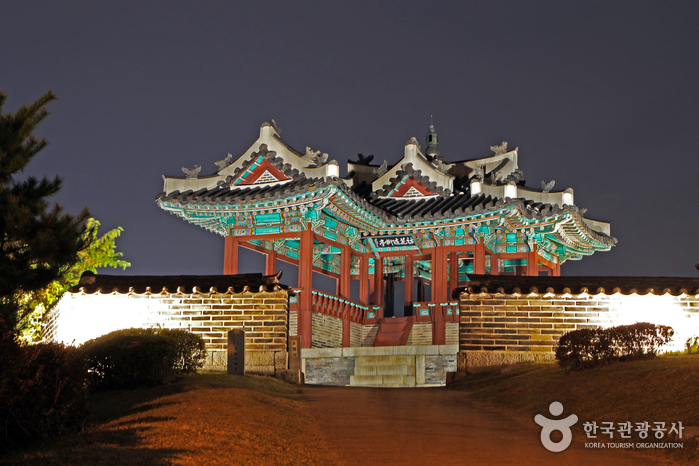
column 261, row 171
column 410, row 187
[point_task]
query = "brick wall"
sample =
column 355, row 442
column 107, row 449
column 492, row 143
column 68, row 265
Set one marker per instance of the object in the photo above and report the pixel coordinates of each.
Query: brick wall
column 356, row 334
column 528, row 327
column 452, row 333
column 369, row 334
column 327, row 331
column 293, row 323
column 420, row 334
column 264, row 317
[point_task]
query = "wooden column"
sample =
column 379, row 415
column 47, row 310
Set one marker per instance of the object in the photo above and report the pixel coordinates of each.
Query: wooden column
column 306, row 285
column 420, row 290
column 494, row 264
column 230, row 256
column 364, row 280
column 408, row 286
column 556, row 271
column 439, row 294
column 453, row 273
column 532, row 262
column 377, row 285
column 345, row 284
column 271, row 263
column 479, row 259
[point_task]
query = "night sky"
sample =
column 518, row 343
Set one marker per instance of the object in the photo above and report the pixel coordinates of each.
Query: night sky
column 599, row 96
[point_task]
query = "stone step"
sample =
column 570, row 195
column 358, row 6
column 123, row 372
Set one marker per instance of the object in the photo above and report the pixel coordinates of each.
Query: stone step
column 382, row 380
column 386, row 360
column 385, row 370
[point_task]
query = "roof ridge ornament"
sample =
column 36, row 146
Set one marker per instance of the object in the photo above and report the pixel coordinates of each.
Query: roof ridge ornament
column 191, row 172
column 381, row 171
column 223, row 163
column 500, row 149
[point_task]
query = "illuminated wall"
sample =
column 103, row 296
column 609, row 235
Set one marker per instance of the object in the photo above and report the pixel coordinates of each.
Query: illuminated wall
column 79, row 317
column 519, row 327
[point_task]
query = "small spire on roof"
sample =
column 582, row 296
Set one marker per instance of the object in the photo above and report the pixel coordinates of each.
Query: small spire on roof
column 432, row 150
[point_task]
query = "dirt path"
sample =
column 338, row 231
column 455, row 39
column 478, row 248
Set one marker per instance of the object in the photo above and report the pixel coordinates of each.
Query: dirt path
column 436, row 426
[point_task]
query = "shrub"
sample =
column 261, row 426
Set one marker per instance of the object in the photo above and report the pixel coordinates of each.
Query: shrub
column 42, row 390
column 584, row 348
column 191, row 350
column 135, row 357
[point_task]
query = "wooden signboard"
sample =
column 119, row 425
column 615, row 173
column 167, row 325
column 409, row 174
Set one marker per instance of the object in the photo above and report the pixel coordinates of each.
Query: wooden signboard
column 295, row 353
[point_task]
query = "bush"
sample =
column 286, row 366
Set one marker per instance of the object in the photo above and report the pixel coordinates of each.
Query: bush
column 136, row 357
column 191, row 350
column 42, row 391
column 585, row 348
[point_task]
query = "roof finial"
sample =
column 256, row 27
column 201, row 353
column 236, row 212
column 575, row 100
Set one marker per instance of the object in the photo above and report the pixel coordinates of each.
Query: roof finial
column 432, row 150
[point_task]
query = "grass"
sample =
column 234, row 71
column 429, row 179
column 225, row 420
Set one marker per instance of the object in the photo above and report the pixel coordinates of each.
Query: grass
column 662, row 389
column 202, row 419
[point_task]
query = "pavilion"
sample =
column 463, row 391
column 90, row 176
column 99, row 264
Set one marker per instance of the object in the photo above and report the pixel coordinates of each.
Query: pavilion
column 423, row 221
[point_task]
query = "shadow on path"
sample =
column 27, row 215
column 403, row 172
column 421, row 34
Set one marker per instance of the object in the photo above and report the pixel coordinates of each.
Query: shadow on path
column 430, row 426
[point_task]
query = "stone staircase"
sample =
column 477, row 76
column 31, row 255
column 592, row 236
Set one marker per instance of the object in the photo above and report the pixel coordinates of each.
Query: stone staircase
column 384, row 371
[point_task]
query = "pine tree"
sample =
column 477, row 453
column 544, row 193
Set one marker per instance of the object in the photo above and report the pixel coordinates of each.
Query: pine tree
column 38, row 242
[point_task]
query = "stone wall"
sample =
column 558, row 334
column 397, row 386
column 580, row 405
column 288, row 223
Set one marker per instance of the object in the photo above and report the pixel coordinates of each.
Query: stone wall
column 496, row 329
column 336, row 366
column 263, row 315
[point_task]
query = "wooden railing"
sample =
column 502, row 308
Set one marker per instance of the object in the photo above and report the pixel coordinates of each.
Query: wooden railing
column 425, row 311
column 338, row 307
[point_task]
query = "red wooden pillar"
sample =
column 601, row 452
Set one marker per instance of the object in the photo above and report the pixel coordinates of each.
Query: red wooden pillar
column 439, row 294
column 494, row 264
column 420, row 290
column 306, row 285
column 377, row 285
column 556, row 270
column 345, row 284
column 532, row 262
column 230, row 256
column 364, row 280
column 479, row 259
column 271, row 262
column 408, row 298
column 453, row 272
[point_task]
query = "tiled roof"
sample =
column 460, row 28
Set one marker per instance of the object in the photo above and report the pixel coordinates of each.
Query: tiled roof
column 408, row 170
column 509, row 284
column 392, row 211
column 253, row 282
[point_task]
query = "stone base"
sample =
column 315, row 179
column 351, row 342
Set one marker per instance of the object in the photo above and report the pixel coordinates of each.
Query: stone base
column 478, row 361
column 290, row 376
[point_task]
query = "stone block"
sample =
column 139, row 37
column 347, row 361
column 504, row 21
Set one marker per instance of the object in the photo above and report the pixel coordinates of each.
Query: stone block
column 365, row 370
column 366, row 380
column 420, row 370
column 394, row 370
column 477, row 361
column 448, row 349
column 368, row 351
column 219, row 358
column 260, row 370
column 425, row 349
column 281, row 360
column 290, row 376
column 395, row 379
column 321, row 353
column 259, row 358
column 328, row 371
